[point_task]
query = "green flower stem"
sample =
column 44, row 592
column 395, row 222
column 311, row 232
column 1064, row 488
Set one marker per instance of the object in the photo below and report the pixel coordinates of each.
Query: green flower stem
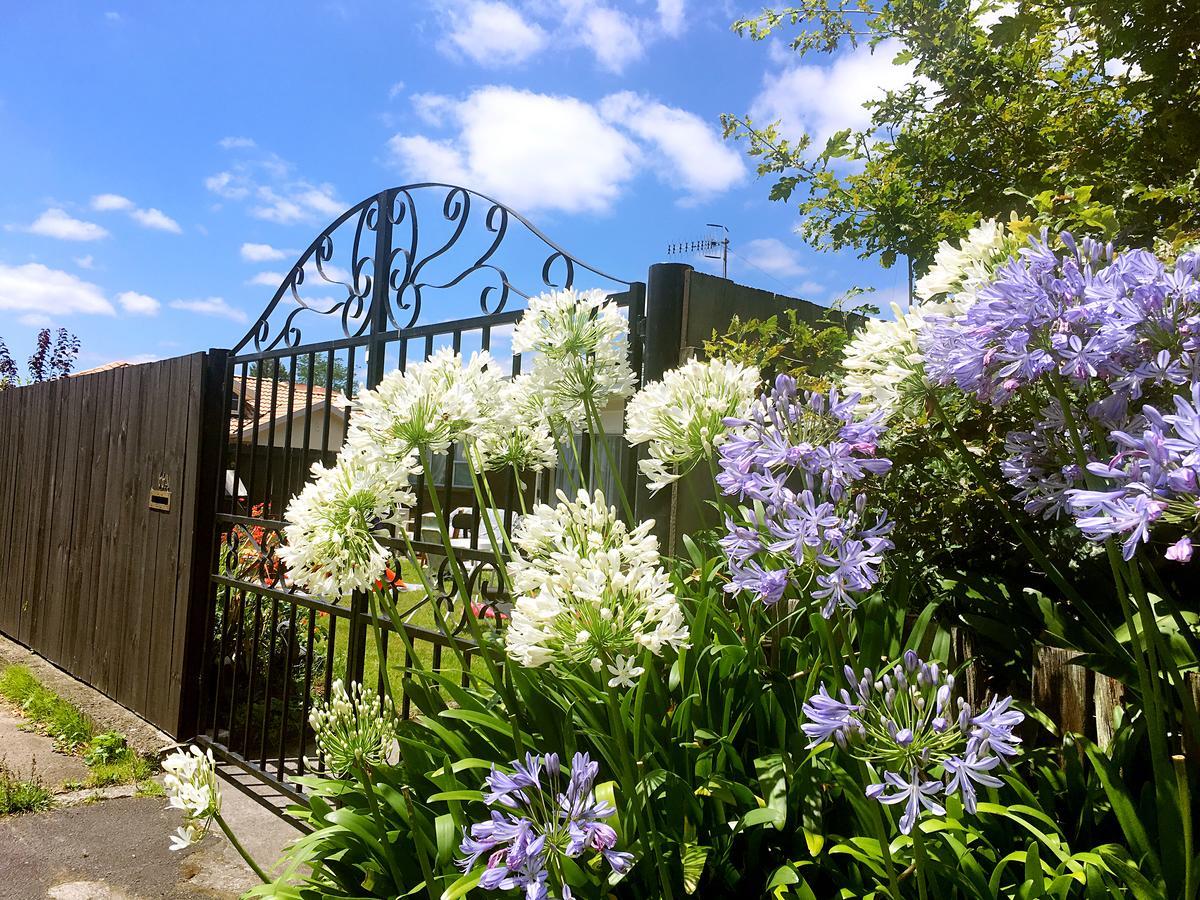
column 1149, row 623
column 431, row 598
column 237, row 845
column 1189, row 863
column 422, row 856
column 577, row 482
column 919, row 859
column 1097, row 625
column 520, row 485
column 498, row 680
column 879, row 824
column 627, row 774
column 1147, row 668
column 364, row 778
column 598, row 423
column 486, row 504
column 373, row 604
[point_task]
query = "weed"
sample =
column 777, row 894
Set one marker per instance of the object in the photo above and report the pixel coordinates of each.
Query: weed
column 69, row 726
column 105, row 748
column 19, row 795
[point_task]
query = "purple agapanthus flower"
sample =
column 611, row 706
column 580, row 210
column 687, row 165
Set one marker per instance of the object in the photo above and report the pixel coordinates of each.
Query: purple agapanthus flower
column 1116, row 334
column 798, row 461
column 540, row 823
column 906, row 721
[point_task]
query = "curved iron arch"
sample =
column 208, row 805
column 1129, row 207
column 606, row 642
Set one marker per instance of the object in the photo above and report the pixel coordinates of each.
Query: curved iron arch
column 385, row 287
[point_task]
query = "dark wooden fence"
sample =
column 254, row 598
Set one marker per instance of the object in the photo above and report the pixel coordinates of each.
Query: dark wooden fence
column 91, row 576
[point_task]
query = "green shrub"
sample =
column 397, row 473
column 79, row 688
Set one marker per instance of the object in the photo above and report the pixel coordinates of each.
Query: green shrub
column 105, row 748
column 19, row 795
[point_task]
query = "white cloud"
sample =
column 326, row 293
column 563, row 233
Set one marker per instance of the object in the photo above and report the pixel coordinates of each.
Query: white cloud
column 492, row 34
column 533, row 151
column 773, row 256
column 671, row 16
column 263, row 253
column 35, row 320
column 156, row 219
column 139, row 358
column 269, row 279
column 396, row 90
column 85, row 262
column 613, row 37
column 690, row 152
column 109, row 202
column 822, row 100
column 210, row 306
column 56, row 223
column 138, row 304
column 236, row 143
column 301, row 203
column 227, row 185
column 37, row 289
column 113, row 16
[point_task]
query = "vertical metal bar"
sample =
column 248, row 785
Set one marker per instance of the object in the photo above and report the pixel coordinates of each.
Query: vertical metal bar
column 306, row 701
column 380, row 290
column 257, row 601
column 268, row 492
column 237, row 660
column 287, row 683
column 266, row 719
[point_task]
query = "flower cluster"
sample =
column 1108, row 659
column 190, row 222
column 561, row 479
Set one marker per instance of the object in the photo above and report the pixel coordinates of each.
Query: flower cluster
column 537, row 823
column 356, row 729
column 581, row 357
column 1112, row 334
column 521, row 437
column 1088, row 316
column 908, row 722
column 337, row 521
column 427, row 407
column 588, row 589
column 190, row 781
column 883, row 364
column 959, row 272
column 797, row 459
column 1154, row 475
column 683, row 416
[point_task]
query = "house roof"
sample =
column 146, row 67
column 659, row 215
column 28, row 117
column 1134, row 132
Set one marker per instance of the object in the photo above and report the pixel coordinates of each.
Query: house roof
column 107, row 367
column 258, row 411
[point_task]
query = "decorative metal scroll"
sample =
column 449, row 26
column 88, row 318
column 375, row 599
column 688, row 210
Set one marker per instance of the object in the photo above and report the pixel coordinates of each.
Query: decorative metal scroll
column 375, row 264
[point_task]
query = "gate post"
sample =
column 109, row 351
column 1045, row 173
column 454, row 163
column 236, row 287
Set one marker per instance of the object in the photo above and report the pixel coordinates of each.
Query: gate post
column 663, row 348
column 215, row 394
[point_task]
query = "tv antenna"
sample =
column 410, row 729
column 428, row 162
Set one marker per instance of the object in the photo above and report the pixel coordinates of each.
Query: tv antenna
column 714, row 245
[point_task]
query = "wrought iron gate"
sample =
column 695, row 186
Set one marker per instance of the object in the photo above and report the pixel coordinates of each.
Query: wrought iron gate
column 419, row 257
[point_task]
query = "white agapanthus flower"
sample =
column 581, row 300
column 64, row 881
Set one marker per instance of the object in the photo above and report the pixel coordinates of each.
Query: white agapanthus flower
column 883, row 356
column 355, row 729
column 580, row 342
column 427, row 407
column 683, row 416
column 333, row 542
column 960, row 272
column 521, row 437
column 191, row 786
column 588, row 590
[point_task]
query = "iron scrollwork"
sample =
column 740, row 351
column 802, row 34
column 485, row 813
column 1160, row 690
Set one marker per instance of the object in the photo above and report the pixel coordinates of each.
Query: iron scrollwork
column 391, row 265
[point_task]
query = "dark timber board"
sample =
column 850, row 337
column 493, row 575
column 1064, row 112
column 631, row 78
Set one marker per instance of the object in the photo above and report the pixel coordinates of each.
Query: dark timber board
column 91, row 577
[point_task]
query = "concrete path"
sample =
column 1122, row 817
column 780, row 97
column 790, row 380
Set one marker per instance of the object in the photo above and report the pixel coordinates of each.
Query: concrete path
column 108, row 844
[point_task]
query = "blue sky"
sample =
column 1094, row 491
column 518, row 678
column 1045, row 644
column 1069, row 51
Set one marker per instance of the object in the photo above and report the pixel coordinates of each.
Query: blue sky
column 164, row 163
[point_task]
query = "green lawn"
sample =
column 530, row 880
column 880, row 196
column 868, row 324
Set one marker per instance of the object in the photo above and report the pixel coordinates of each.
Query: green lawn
column 422, row 617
